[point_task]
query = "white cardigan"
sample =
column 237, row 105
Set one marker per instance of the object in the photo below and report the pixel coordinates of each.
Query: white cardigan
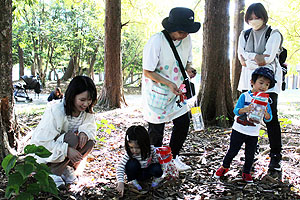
column 51, row 130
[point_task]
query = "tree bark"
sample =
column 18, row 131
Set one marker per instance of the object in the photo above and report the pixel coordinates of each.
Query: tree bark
column 21, row 61
column 237, row 28
column 215, row 93
column 110, row 96
column 7, row 121
column 69, row 71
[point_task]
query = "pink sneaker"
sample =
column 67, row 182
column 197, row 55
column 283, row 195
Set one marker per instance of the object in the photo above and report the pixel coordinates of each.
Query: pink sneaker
column 247, row 178
column 221, row 172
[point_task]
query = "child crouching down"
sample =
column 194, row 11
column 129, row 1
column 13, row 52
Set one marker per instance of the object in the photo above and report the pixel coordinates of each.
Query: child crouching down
column 242, row 132
column 140, row 161
column 68, row 129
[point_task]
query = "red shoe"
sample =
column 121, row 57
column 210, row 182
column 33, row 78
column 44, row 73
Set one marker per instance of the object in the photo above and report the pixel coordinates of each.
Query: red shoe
column 221, row 172
column 247, row 178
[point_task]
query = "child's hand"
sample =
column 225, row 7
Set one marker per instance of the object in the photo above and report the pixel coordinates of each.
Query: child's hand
column 247, row 109
column 83, row 138
column 120, row 188
column 266, row 114
column 74, row 155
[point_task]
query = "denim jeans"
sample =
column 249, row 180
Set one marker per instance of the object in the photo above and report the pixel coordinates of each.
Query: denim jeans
column 236, row 141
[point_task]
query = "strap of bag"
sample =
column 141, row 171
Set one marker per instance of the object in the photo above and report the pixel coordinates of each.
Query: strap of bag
column 175, row 54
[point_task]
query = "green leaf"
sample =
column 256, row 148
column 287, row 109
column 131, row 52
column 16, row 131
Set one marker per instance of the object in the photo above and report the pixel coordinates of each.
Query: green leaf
column 15, row 179
column 43, row 167
column 25, row 169
column 111, row 126
column 33, row 188
column 38, row 150
column 25, row 196
column 108, row 131
column 52, row 187
column 8, row 163
column 10, row 189
column 42, row 178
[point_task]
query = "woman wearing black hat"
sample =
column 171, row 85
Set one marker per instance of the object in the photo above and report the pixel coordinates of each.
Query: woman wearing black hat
column 162, row 79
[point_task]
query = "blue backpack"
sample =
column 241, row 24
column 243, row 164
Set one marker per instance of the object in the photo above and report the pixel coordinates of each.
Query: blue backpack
column 281, row 57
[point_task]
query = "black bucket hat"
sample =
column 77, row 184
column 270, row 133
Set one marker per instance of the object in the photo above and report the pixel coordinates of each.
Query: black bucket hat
column 181, row 19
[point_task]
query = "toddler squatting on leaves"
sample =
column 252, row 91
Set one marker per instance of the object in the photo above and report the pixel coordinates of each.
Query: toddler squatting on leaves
column 140, row 161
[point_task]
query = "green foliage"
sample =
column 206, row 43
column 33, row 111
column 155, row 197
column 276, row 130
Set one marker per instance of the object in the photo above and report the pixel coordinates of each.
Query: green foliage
column 222, row 118
column 284, row 122
column 28, row 178
column 263, row 133
column 105, row 127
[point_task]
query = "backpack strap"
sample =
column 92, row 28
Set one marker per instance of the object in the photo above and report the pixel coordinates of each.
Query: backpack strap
column 247, row 33
column 268, row 33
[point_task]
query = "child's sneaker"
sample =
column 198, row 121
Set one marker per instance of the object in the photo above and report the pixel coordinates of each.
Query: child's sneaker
column 69, row 175
column 221, row 172
column 136, row 184
column 247, row 178
column 156, row 182
column 59, row 182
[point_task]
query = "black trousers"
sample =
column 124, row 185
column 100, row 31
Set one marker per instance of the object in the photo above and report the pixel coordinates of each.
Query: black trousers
column 134, row 171
column 236, row 141
column 273, row 127
column 179, row 133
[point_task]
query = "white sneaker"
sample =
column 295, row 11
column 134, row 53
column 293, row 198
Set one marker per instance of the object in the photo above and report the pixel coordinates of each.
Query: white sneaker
column 180, row 165
column 57, row 180
column 69, row 175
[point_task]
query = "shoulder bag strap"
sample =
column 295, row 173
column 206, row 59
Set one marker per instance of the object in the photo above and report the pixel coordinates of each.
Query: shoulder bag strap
column 175, row 53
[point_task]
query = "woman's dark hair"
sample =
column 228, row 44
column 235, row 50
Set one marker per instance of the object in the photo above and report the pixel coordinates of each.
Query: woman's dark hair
column 139, row 134
column 259, row 10
column 78, row 85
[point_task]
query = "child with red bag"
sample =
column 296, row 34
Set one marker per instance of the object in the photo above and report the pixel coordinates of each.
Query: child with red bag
column 243, row 130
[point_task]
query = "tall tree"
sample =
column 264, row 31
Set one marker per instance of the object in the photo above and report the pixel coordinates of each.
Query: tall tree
column 215, row 92
column 238, row 25
column 7, row 121
column 110, row 96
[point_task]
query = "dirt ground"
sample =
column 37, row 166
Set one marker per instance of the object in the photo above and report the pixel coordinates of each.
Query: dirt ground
column 203, row 151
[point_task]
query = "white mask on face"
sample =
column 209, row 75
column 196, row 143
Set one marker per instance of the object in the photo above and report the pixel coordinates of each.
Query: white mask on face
column 256, row 23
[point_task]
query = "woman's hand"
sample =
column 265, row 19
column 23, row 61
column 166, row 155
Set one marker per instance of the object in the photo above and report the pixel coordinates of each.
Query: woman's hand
column 120, row 188
column 74, row 155
column 83, row 138
column 260, row 59
column 242, row 61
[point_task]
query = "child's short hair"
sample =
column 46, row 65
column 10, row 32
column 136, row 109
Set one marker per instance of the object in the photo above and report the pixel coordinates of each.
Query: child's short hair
column 139, row 134
column 265, row 72
column 78, row 85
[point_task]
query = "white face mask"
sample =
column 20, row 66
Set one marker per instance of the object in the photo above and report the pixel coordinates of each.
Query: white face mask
column 256, row 23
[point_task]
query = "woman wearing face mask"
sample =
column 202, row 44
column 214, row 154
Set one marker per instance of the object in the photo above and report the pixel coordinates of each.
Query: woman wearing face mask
column 258, row 51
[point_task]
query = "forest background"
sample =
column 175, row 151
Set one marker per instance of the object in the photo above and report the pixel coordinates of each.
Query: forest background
column 61, row 39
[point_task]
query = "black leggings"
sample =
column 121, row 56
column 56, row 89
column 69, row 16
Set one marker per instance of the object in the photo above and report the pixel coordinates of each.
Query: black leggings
column 236, row 141
column 179, row 133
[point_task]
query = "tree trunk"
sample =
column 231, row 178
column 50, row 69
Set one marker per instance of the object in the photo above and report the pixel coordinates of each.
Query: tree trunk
column 215, row 93
column 69, row 71
column 7, row 121
column 21, row 61
column 237, row 28
column 110, row 96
